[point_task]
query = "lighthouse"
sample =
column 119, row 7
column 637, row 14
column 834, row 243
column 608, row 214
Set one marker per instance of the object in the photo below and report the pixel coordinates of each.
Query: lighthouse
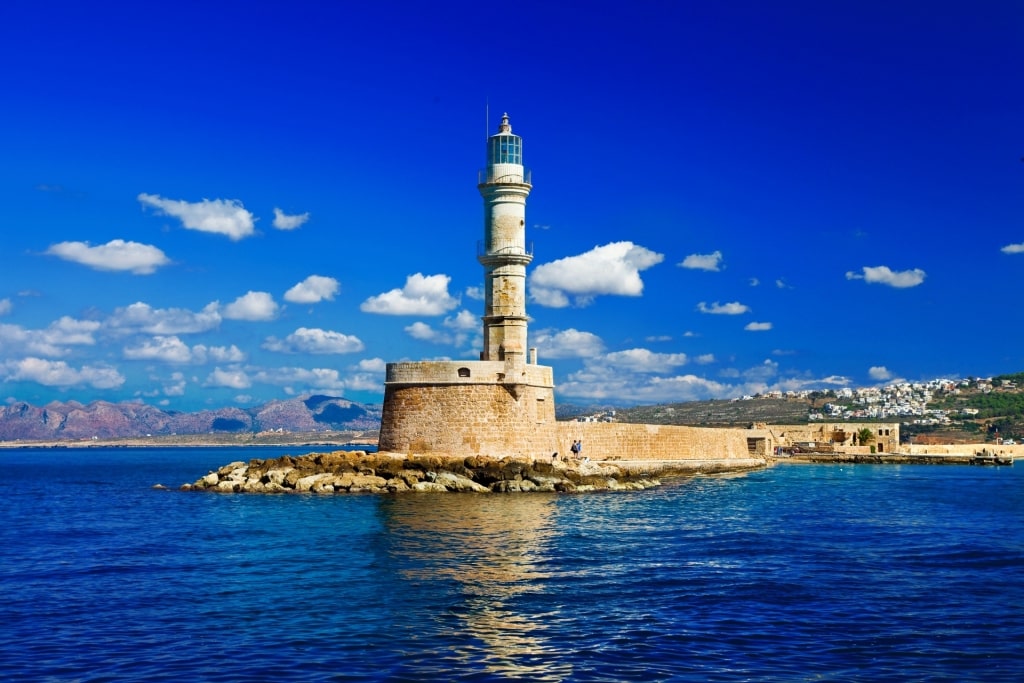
column 504, row 186
column 502, row 404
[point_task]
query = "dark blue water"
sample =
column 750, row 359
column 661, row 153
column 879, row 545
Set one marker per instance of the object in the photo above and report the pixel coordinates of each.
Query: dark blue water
column 797, row 573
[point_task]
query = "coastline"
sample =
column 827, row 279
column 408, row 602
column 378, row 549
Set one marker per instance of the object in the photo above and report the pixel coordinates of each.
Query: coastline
column 341, row 472
column 302, row 440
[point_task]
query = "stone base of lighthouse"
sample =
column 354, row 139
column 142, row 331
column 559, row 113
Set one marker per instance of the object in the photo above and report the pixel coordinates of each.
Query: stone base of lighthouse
column 464, row 408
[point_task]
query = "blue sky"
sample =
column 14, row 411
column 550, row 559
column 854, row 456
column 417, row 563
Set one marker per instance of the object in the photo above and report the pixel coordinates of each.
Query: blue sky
column 215, row 204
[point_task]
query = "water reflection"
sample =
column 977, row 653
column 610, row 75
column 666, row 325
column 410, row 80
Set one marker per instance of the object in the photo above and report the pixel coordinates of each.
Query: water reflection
column 483, row 554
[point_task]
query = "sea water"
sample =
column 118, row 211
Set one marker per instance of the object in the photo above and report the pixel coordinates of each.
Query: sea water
column 793, row 573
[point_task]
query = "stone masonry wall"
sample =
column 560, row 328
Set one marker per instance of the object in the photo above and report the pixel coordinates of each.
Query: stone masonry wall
column 620, row 441
column 470, row 419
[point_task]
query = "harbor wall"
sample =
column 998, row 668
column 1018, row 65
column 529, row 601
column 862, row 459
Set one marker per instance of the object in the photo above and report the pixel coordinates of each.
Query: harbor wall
column 1017, row 450
column 622, row 441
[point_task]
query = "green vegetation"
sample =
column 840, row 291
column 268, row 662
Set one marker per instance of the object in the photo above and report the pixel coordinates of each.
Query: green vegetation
column 997, row 404
column 865, row 436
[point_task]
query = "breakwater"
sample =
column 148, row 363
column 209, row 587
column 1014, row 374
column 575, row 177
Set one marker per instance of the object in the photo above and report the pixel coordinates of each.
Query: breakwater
column 361, row 472
column 980, row 458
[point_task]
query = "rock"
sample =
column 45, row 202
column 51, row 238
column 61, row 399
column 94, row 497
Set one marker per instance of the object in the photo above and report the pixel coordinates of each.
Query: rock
column 276, row 476
column 308, row 482
column 429, row 486
column 455, row 482
column 364, row 482
column 230, row 467
column 357, row 471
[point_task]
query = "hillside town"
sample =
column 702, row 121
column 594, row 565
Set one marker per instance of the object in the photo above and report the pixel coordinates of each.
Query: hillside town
column 906, row 401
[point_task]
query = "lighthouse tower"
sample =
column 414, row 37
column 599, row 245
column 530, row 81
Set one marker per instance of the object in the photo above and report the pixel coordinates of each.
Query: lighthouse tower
column 502, row 404
column 504, row 186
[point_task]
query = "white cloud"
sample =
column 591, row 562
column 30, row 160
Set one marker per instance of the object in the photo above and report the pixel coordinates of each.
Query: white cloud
column 372, row 365
column 732, row 308
column 1013, row 248
column 283, row 221
column 611, row 269
column 368, row 375
column 160, row 348
column 475, row 293
column 709, row 262
column 302, row 379
column 424, row 332
column 60, row 374
column 883, row 275
column 463, row 324
column 569, row 343
column 176, row 385
column 642, row 360
column 233, row 378
column 253, row 306
column 422, row 295
column 464, row 320
column 757, row 327
column 704, row 359
column 115, row 255
column 754, row 282
column 879, row 372
column 142, row 317
column 171, row 349
column 221, row 216
column 218, row 354
column 588, row 384
column 602, row 380
column 763, row 372
column 67, row 331
column 51, row 341
column 314, row 340
column 313, row 289
column 6, row 306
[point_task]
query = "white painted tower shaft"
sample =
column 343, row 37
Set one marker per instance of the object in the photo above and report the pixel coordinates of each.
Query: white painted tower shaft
column 504, row 185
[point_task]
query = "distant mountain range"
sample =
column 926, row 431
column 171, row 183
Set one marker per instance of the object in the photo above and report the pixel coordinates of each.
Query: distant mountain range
column 58, row 421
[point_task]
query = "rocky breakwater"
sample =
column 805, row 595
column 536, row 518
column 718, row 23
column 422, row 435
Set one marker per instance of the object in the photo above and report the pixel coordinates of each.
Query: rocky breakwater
column 360, row 472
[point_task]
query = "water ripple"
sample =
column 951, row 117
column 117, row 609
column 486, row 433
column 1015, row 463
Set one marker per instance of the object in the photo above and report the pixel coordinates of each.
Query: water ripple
column 796, row 574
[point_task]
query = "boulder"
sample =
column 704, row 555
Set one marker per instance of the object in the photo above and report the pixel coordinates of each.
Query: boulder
column 429, row 486
column 458, row 483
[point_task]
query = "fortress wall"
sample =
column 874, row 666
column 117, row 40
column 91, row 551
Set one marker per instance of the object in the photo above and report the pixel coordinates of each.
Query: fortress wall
column 620, row 441
column 469, row 419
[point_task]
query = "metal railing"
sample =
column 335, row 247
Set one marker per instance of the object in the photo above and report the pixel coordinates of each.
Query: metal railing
column 503, row 248
column 487, row 177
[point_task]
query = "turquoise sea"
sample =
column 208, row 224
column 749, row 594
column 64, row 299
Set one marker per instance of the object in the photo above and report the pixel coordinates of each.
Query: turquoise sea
column 794, row 573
